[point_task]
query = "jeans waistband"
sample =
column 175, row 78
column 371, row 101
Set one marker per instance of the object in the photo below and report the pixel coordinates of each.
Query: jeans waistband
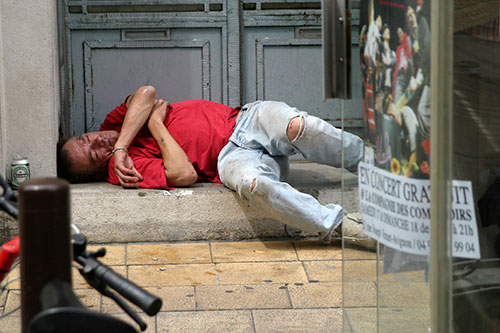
column 247, row 107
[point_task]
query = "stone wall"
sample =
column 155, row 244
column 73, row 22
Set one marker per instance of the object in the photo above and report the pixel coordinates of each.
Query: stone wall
column 29, row 84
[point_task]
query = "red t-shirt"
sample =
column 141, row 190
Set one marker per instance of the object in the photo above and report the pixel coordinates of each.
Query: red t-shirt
column 202, row 128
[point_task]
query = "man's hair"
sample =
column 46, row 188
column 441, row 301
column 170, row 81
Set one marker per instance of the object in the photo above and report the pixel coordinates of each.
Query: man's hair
column 65, row 164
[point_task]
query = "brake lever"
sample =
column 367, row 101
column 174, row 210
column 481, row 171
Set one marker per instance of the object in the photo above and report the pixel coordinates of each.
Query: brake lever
column 125, row 307
column 87, row 271
column 81, row 256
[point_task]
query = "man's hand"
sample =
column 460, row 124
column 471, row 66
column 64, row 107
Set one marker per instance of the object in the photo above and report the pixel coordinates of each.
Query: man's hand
column 178, row 169
column 125, row 170
column 159, row 110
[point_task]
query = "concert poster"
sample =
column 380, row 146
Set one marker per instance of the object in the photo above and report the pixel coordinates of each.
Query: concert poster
column 395, row 45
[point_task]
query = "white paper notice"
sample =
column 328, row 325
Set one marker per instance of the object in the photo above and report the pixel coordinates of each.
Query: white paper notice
column 396, row 212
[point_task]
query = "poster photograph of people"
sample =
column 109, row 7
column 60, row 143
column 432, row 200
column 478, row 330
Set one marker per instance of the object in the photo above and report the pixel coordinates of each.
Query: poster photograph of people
column 394, row 46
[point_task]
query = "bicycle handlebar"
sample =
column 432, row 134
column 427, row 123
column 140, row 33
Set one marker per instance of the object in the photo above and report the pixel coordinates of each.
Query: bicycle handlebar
column 8, row 199
column 100, row 274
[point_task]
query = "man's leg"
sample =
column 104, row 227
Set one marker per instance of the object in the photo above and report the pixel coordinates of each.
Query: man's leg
column 323, row 143
column 284, row 130
column 255, row 176
column 278, row 129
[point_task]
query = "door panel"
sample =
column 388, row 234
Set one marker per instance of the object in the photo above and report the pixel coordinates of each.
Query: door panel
column 179, row 71
column 180, row 68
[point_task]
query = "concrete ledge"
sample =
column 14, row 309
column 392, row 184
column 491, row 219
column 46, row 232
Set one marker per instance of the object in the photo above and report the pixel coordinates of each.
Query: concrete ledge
column 107, row 213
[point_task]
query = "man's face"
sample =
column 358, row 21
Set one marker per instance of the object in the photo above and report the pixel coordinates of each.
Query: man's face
column 412, row 19
column 90, row 152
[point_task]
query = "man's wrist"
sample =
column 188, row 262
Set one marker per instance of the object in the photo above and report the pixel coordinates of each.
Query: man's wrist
column 154, row 122
column 118, row 148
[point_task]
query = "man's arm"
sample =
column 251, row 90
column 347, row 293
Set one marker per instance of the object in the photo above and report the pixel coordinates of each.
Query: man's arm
column 139, row 107
column 178, row 169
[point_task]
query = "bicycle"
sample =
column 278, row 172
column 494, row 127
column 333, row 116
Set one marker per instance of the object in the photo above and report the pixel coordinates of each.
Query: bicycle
column 61, row 310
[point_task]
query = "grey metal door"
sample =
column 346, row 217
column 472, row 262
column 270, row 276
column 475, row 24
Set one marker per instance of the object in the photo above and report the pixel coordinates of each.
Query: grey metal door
column 227, row 51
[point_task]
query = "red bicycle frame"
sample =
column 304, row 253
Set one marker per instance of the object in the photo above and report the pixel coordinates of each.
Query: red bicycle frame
column 8, row 254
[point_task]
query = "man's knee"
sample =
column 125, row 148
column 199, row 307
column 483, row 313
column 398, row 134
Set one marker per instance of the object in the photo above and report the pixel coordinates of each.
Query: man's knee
column 259, row 186
column 295, row 128
column 245, row 187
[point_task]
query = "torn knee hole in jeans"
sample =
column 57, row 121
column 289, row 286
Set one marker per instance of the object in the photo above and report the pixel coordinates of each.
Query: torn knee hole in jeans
column 295, row 128
column 254, row 184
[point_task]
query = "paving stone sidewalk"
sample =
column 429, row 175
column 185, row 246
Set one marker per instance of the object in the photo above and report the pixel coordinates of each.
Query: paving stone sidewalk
column 246, row 286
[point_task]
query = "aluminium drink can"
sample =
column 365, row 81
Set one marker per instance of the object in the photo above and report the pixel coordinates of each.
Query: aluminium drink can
column 19, row 172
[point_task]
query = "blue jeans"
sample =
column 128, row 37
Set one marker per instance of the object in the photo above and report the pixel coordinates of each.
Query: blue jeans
column 258, row 151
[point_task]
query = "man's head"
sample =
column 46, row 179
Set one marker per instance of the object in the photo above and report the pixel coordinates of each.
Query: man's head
column 81, row 158
column 411, row 19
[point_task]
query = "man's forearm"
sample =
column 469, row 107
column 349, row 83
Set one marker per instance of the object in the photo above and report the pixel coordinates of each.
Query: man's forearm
column 138, row 111
column 178, row 168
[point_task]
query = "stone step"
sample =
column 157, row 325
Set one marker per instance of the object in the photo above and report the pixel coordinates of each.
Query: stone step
column 106, row 213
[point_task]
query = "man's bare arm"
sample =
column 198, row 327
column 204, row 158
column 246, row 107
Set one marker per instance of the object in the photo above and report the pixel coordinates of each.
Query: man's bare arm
column 139, row 107
column 178, row 168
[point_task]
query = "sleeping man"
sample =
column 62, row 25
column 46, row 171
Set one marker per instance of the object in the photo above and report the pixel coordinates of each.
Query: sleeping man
column 150, row 143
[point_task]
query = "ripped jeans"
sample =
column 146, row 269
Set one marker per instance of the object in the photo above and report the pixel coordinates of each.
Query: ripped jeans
column 254, row 163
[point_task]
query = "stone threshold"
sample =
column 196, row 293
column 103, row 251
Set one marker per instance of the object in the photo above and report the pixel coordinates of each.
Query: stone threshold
column 107, row 213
